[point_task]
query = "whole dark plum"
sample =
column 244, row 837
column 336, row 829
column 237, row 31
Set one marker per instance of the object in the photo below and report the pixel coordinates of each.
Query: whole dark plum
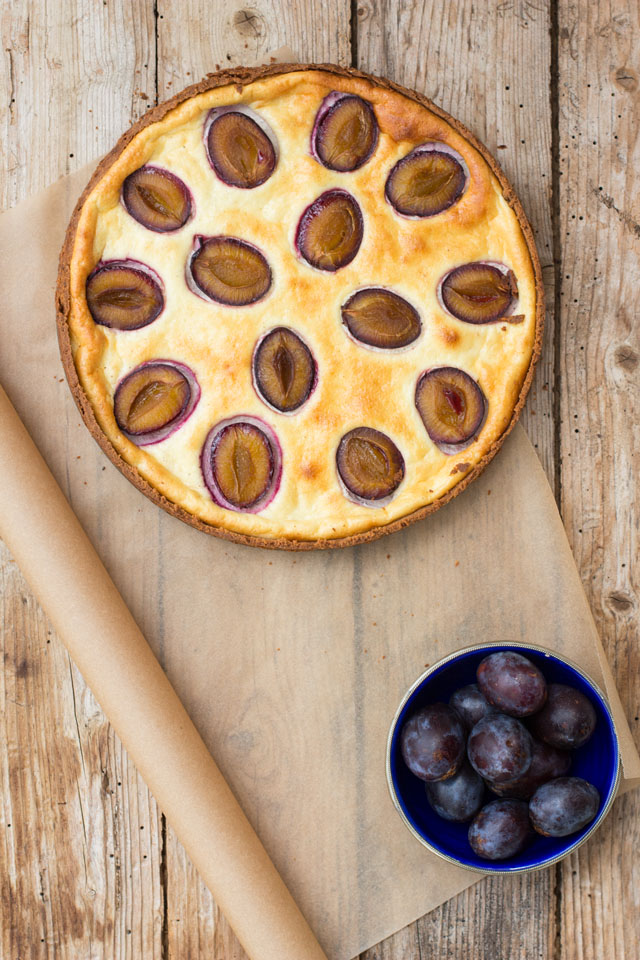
column 500, row 748
column 567, row 719
column 500, row 830
column 479, row 292
column 369, row 464
column 459, row 797
column 345, row 133
column 471, row 704
column 512, row 683
column 563, row 806
column 433, row 741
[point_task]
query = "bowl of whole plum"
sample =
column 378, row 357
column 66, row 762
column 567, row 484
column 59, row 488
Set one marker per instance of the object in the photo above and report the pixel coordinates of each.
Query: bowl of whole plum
column 503, row 758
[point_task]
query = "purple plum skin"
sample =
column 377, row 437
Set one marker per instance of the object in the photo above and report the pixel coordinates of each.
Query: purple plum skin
column 512, row 683
column 432, row 742
column 501, row 830
column 563, row 806
column 567, row 719
column 500, row 748
column 459, row 797
column 471, row 704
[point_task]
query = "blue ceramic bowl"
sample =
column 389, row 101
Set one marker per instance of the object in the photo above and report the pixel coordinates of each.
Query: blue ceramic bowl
column 598, row 761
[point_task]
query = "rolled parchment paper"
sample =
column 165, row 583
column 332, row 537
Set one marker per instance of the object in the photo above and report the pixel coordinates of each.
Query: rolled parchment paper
column 92, row 620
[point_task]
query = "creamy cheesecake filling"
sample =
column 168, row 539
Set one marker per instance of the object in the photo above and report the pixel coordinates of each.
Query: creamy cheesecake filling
column 356, row 383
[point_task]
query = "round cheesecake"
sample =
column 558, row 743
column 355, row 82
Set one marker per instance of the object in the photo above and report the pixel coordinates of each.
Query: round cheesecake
column 299, row 306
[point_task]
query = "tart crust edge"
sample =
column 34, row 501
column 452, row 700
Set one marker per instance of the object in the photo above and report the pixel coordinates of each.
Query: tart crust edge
column 243, row 76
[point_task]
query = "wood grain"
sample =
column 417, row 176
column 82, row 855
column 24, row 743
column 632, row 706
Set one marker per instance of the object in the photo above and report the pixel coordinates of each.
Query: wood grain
column 599, row 414
column 80, row 845
column 88, row 868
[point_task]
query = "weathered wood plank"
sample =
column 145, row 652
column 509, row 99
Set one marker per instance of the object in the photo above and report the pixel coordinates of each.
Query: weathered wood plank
column 80, row 844
column 79, row 854
column 599, row 232
column 240, row 34
column 192, row 41
column 489, row 67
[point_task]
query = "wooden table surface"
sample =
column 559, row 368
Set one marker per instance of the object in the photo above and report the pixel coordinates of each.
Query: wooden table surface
column 89, row 870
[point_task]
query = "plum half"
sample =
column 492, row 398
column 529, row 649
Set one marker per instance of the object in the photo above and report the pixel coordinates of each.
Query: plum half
column 157, row 199
column 153, row 400
column 330, row 231
column 241, row 464
column 380, row 318
column 452, row 407
column 345, row 132
column 124, row 294
column 227, row 270
column 370, row 465
column 479, row 292
column 284, row 371
column 239, row 148
column 427, row 181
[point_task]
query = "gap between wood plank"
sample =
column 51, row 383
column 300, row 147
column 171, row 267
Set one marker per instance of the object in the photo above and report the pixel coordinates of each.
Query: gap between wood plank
column 353, row 38
column 554, row 102
column 164, row 868
column 155, row 54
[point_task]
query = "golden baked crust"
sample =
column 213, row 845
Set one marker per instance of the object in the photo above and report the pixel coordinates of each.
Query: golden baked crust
column 356, row 386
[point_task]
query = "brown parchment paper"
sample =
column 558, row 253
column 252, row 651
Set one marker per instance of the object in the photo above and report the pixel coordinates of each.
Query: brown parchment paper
column 291, row 666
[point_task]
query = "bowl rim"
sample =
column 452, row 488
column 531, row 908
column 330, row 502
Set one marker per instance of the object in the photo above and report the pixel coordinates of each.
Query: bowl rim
column 493, row 866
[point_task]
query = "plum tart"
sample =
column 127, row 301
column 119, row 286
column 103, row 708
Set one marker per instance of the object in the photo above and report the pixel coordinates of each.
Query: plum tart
column 299, row 306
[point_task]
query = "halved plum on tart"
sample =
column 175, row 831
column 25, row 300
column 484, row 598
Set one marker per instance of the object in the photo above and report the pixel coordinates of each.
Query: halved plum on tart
column 228, row 270
column 284, row 371
column 370, row 465
column 452, row 407
column 124, row 294
column 157, row 199
column 381, row 318
column 479, row 292
column 330, row 231
column 239, row 147
column 156, row 398
column 241, row 464
column 345, row 132
column 427, row 181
